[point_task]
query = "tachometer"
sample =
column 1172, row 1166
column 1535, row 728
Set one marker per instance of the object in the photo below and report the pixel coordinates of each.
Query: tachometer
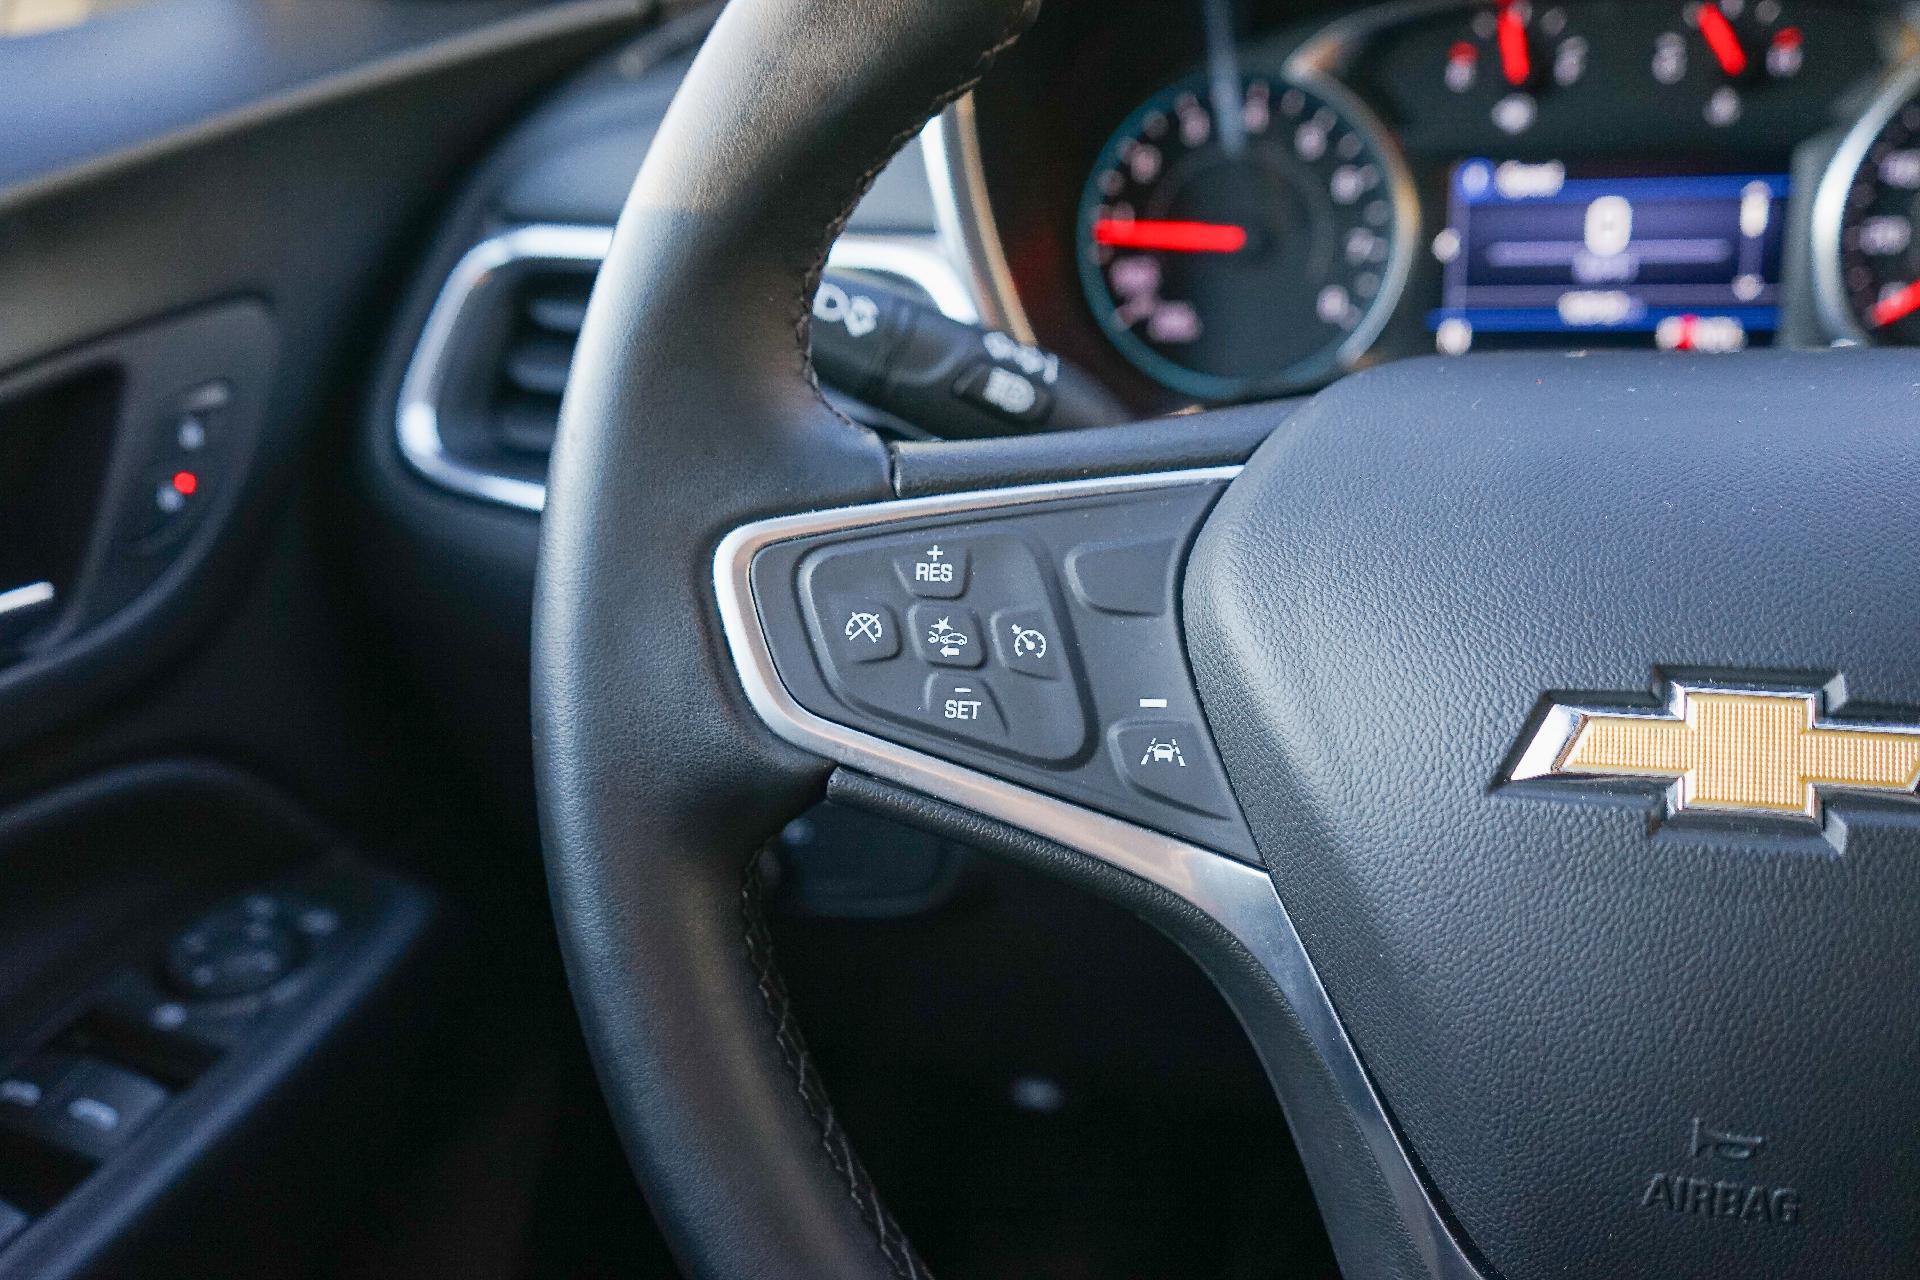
column 1866, row 254
column 1255, row 252
column 1506, row 57
column 1726, row 50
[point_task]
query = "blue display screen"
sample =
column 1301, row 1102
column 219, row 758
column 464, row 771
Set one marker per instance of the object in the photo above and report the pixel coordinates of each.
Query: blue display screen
column 1693, row 261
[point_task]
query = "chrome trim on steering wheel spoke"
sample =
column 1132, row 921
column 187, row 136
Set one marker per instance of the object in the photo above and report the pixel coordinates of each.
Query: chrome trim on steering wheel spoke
column 1240, row 898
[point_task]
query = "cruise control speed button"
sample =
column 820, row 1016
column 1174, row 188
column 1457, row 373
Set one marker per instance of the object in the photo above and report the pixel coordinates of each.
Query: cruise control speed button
column 1028, row 642
column 1168, row 760
column 936, row 570
column 860, row 629
column 964, row 704
column 946, row 636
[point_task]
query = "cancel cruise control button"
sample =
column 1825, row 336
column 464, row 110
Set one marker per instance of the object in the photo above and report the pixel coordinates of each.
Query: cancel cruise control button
column 1169, row 760
column 861, row 629
column 963, row 704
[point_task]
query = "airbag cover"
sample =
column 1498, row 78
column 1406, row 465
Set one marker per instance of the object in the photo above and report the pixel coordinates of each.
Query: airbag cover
column 1577, row 1012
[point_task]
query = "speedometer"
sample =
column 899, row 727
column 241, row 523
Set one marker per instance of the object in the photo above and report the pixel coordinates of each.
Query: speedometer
column 1246, row 243
column 1867, row 255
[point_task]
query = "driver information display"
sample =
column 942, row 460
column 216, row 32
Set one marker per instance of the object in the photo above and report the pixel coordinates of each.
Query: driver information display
column 1693, row 261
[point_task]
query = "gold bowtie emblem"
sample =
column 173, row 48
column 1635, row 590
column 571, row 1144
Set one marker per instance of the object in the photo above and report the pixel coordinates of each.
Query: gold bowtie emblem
column 1748, row 751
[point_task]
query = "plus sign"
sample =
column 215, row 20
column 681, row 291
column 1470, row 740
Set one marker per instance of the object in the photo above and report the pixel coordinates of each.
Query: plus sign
column 933, row 552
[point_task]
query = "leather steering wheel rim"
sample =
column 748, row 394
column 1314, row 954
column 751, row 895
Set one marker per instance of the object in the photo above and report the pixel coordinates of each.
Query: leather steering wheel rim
column 692, row 408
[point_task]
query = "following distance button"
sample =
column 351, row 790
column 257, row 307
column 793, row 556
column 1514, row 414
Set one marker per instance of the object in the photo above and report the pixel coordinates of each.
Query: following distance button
column 946, row 636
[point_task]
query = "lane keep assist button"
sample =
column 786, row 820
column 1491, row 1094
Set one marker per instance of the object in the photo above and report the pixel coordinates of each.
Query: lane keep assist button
column 1169, row 760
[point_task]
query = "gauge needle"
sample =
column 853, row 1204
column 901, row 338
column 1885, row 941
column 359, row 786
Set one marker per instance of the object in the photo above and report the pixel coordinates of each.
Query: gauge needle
column 1223, row 75
column 1722, row 40
column 1516, row 63
column 1169, row 236
column 1896, row 306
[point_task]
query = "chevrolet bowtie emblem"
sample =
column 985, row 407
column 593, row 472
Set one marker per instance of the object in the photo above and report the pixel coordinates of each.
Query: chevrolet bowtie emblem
column 1747, row 751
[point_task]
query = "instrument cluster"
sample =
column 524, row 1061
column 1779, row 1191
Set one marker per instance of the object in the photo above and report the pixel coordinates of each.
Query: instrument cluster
column 1212, row 203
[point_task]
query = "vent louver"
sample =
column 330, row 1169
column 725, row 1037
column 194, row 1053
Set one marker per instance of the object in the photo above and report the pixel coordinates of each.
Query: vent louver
column 543, row 326
column 481, row 395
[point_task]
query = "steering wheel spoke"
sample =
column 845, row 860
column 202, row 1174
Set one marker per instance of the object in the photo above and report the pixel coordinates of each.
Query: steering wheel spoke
column 1016, row 653
column 1025, row 636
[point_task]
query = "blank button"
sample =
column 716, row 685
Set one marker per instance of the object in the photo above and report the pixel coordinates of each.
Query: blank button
column 1123, row 577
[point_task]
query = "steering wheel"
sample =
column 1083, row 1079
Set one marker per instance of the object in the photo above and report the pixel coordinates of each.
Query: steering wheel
column 1523, row 744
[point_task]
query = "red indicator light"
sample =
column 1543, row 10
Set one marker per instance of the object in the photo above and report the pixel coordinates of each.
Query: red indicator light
column 1722, row 40
column 1463, row 51
column 185, row 483
column 1516, row 63
column 1171, row 237
column 1787, row 38
column 1898, row 305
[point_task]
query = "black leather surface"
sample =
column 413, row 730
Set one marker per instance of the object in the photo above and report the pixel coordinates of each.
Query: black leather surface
column 1548, row 992
column 690, row 411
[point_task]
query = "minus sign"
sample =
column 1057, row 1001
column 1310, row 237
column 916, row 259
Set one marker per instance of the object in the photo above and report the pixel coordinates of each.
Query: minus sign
column 1153, row 702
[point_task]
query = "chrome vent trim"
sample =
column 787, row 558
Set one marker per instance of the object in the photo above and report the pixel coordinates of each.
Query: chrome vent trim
column 919, row 260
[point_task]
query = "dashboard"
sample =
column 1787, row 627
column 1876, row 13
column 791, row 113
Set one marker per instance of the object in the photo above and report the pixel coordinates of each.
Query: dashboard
column 1219, row 200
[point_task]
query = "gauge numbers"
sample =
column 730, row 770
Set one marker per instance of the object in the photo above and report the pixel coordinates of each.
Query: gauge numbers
column 1224, row 272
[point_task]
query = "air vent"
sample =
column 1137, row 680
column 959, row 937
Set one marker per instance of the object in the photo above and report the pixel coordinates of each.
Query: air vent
column 481, row 397
column 543, row 326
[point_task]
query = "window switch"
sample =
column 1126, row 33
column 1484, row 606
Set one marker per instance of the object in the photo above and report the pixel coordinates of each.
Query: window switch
column 29, row 1092
column 102, row 1105
column 84, row 1106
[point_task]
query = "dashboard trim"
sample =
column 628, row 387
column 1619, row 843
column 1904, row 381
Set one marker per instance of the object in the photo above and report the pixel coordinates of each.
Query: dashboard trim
column 1239, row 897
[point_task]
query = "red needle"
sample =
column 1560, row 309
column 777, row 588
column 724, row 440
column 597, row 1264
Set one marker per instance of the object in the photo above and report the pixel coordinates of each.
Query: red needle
column 1722, row 40
column 1172, row 237
column 1515, row 62
column 1896, row 305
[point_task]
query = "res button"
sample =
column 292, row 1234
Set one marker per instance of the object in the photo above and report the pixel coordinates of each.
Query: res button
column 937, row 570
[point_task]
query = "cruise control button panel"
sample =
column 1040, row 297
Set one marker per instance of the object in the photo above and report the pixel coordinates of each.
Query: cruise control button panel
column 1036, row 642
